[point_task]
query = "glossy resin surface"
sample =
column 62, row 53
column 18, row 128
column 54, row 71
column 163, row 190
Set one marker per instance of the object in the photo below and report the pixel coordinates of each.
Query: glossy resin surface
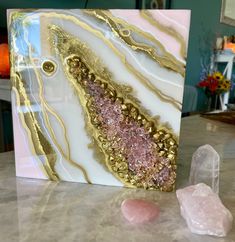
column 97, row 94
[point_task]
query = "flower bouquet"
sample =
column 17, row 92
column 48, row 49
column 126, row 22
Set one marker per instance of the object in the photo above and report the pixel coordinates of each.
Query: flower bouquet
column 214, row 85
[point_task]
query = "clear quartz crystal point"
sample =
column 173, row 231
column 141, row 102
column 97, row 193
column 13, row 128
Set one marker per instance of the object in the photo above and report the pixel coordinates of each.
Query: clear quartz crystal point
column 205, row 167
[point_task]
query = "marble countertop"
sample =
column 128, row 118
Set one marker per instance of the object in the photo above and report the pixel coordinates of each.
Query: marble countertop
column 36, row 210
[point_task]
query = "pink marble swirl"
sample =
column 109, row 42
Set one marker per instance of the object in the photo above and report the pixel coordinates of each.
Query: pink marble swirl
column 177, row 19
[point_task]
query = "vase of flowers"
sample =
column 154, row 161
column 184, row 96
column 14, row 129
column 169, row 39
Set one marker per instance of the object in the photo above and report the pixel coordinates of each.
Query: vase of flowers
column 214, row 85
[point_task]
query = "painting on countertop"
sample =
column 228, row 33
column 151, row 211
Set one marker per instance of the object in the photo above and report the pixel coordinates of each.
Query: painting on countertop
column 97, row 94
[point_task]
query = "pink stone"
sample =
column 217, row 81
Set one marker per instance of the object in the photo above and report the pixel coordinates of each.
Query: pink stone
column 203, row 210
column 138, row 211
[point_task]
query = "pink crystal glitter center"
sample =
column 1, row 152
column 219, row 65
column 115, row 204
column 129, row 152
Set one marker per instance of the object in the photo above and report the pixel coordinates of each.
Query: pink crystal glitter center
column 132, row 140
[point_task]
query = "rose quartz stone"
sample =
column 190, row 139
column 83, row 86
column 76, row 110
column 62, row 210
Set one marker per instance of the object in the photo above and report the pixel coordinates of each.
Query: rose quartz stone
column 203, row 210
column 138, row 211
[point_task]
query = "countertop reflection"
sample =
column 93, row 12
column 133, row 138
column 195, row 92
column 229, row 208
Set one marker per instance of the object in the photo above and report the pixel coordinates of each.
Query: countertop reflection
column 35, row 210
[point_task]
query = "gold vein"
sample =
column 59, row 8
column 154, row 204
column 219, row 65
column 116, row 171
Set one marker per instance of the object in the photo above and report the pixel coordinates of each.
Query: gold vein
column 67, row 157
column 166, row 29
column 152, row 88
column 123, row 30
column 40, row 144
column 50, row 110
column 28, row 133
column 164, row 97
column 47, row 107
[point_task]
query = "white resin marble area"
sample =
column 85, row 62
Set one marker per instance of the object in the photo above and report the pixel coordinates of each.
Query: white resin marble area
column 154, row 69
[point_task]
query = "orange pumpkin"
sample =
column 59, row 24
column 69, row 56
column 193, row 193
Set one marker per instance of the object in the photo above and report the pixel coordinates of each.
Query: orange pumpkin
column 4, row 60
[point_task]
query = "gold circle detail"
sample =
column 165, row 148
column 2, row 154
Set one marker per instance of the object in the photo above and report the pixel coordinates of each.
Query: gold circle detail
column 49, row 67
column 125, row 32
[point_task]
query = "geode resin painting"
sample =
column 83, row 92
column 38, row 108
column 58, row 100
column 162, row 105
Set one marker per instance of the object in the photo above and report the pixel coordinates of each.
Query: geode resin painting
column 97, row 94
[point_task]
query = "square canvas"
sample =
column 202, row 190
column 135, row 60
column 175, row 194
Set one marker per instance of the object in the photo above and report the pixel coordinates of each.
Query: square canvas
column 97, row 94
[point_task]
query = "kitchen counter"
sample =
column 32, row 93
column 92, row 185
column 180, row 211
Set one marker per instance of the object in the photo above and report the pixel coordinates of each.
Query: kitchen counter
column 36, row 210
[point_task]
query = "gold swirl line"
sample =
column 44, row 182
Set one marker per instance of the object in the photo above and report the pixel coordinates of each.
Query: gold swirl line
column 151, row 87
column 50, row 110
column 168, row 30
column 67, row 157
column 134, row 71
column 167, row 55
column 149, row 37
column 112, row 23
column 23, row 122
column 168, row 60
column 143, row 80
column 40, row 143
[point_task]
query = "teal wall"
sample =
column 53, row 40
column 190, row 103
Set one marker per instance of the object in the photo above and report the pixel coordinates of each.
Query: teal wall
column 205, row 26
